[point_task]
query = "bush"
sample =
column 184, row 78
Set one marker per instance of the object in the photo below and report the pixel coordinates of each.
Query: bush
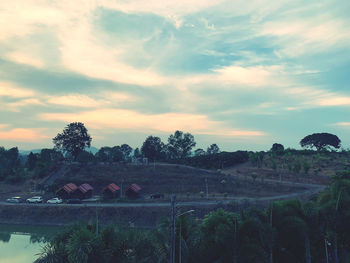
column 214, row 161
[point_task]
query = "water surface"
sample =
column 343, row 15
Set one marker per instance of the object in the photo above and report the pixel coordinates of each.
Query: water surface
column 21, row 243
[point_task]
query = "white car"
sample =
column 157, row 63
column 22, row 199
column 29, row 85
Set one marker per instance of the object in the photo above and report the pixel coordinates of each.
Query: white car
column 35, row 199
column 15, row 199
column 55, row 200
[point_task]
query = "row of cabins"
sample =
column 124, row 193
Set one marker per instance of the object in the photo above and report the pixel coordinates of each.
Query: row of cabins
column 84, row 191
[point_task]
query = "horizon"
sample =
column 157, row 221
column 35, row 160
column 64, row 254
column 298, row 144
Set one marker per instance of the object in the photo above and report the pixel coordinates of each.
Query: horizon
column 243, row 78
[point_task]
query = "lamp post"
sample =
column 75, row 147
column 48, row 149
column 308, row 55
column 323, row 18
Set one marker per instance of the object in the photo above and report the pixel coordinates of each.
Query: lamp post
column 187, row 212
column 172, row 229
column 326, row 244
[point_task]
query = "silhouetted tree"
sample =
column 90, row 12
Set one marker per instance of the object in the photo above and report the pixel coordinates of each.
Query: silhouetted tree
column 137, row 153
column 277, row 148
column 320, row 141
column 73, row 139
column 153, row 148
column 31, row 161
column 126, row 150
column 180, row 145
column 213, row 149
column 199, row 152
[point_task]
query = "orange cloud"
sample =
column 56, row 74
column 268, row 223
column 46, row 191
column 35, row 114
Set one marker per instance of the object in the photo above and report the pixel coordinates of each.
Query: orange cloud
column 335, row 101
column 7, row 89
column 22, row 135
column 132, row 120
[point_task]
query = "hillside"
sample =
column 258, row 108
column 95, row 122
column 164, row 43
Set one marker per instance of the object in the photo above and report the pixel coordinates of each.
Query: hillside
column 186, row 182
column 249, row 179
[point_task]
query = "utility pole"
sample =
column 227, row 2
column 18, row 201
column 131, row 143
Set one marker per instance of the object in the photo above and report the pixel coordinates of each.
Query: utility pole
column 206, row 187
column 96, row 221
column 121, row 189
column 172, row 229
column 326, row 248
column 271, row 242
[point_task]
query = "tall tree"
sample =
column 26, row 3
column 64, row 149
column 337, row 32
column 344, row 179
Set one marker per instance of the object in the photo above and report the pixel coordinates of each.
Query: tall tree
column 153, row 148
column 31, row 161
column 277, row 148
column 180, row 144
column 321, row 141
column 126, row 150
column 73, row 139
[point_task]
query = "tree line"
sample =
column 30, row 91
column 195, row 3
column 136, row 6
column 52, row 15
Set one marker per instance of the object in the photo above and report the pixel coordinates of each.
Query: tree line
column 288, row 231
column 73, row 143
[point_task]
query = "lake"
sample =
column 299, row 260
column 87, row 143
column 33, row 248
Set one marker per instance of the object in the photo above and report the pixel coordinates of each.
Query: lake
column 21, row 243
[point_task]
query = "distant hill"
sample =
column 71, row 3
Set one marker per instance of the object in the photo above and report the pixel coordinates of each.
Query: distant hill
column 92, row 149
column 26, row 152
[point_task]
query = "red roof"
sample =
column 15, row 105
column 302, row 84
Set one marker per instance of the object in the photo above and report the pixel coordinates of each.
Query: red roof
column 112, row 187
column 135, row 188
column 85, row 188
column 70, row 188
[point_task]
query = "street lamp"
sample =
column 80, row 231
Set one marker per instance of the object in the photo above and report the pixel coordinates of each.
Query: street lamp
column 172, row 228
column 187, row 212
column 326, row 244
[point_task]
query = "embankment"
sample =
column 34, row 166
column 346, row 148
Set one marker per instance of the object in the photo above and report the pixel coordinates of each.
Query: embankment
column 64, row 215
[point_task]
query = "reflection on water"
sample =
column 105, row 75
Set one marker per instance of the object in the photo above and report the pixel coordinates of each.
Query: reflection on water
column 20, row 244
column 19, row 249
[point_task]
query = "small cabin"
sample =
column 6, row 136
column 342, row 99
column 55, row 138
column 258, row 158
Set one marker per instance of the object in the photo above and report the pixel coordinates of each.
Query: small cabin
column 111, row 191
column 84, row 191
column 133, row 191
column 67, row 191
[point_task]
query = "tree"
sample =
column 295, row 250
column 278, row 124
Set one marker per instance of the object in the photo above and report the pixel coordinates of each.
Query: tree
column 213, row 149
column 73, row 139
column 277, row 148
column 137, row 153
column 180, row 145
column 199, row 152
column 153, row 148
column 31, row 161
column 219, row 231
column 320, row 141
column 126, row 150
column 110, row 154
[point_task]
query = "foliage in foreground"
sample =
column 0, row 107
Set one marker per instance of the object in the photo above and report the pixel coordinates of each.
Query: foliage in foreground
column 287, row 231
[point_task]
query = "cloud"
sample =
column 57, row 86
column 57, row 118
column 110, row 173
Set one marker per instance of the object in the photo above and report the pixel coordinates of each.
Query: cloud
column 76, row 100
column 307, row 35
column 84, row 54
column 15, row 106
column 251, row 76
column 342, row 124
column 9, row 90
column 311, row 97
column 173, row 10
column 25, row 58
column 22, row 135
column 132, row 120
column 334, row 101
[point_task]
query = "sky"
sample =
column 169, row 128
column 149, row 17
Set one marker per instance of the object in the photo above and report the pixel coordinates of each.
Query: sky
column 241, row 74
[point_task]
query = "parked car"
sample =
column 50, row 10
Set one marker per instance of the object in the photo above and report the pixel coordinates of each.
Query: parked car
column 15, row 199
column 157, row 196
column 74, row 201
column 35, row 199
column 54, row 200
